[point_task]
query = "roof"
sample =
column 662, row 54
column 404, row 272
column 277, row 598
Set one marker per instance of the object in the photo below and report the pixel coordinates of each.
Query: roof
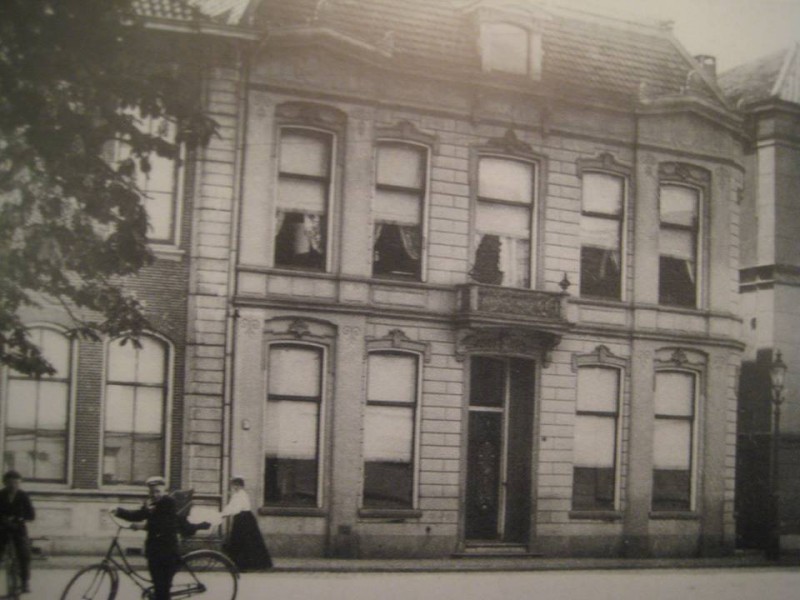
column 757, row 80
column 582, row 54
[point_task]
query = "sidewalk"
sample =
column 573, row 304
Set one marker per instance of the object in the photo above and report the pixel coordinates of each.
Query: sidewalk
column 470, row 563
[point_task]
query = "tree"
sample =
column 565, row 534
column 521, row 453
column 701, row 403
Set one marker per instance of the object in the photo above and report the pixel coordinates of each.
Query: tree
column 77, row 76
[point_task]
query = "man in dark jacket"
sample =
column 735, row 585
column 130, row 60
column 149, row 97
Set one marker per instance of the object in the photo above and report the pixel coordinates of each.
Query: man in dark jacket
column 15, row 509
column 163, row 524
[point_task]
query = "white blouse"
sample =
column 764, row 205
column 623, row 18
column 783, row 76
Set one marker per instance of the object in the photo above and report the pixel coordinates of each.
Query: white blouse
column 239, row 502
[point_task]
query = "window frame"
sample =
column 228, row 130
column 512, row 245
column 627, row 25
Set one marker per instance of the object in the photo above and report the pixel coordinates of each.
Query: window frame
column 321, row 455
column 510, row 155
column 694, row 425
column 602, row 357
column 493, row 64
column 616, row 451
column 622, row 221
column 178, row 187
column 69, row 447
column 424, row 206
column 330, row 187
column 697, row 242
column 419, row 358
column 169, row 390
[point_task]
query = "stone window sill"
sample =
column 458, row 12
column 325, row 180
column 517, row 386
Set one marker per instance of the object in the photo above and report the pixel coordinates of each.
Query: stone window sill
column 398, row 514
column 674, row 516
column 292, row 511
column 595, row 515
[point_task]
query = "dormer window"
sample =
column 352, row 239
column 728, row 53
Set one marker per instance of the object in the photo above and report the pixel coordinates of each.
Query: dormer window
column 510, row 37
column 506, row 48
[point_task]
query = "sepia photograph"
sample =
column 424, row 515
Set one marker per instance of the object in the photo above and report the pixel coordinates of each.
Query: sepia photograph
column 389, row 299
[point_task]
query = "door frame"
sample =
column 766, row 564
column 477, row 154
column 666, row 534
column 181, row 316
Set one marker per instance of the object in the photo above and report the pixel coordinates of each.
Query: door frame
column 537, row 360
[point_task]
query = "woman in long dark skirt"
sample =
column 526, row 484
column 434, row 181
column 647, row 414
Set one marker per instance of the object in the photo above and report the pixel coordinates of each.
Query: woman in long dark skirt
column 244, row 544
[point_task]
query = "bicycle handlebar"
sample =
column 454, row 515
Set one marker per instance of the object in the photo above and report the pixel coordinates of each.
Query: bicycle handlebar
column 124, row 524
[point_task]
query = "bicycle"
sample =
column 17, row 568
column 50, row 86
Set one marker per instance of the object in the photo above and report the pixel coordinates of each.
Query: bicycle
column 202, row 573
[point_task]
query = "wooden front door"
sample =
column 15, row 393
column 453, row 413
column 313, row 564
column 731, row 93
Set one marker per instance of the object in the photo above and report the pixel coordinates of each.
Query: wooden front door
column 498, row 490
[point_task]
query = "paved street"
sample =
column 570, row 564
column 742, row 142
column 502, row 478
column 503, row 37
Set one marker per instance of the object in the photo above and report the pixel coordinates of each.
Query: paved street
column 640, row 584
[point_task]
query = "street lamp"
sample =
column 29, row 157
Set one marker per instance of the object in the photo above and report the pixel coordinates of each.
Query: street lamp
column 777, row 376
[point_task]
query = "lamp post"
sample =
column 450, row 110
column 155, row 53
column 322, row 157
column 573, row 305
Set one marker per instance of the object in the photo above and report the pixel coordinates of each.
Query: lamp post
column 777, row 376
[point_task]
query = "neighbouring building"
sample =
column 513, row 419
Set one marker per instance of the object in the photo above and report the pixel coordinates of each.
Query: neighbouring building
column 768, row 92
column 86, row 438
column 459, row 277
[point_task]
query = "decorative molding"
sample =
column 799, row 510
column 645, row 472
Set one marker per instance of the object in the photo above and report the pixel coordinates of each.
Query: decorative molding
column 250, row 326
column 299, row 328
column 603, row 162
column 406, row 131
column 601, row 355
column 309, row 113
column 396, row 339
column 509, row 144
column 494, row 300
column 684, row 173
column 505, row 341
column 680, row 358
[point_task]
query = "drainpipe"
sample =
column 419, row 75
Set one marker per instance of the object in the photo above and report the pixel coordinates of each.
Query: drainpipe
column 231, row 312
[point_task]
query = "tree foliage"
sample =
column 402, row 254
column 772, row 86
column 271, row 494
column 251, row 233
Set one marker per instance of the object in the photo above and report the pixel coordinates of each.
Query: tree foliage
column 73, row 75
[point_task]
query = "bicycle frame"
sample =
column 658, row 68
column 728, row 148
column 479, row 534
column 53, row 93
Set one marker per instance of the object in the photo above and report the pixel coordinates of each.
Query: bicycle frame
column 116, row 560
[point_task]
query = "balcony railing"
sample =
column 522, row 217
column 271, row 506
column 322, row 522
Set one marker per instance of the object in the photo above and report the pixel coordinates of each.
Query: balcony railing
column 478, row 301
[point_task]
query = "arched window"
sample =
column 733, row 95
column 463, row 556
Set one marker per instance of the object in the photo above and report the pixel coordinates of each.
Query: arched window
column 679, row 242
column 674, row 440
column 304, row 182
column 400, row 189
column 504, row 222
column 390, row 429
column 596, row 427
column 134, row 439
column 506, row 48
column 292, row 425
column 602, row 207
column 37, row 413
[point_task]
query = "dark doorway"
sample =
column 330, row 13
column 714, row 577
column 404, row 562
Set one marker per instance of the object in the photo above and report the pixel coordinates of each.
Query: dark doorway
column 498, row 491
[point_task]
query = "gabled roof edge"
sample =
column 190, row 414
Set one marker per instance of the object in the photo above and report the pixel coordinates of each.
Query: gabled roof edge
column 787, row 64
column 708, row 80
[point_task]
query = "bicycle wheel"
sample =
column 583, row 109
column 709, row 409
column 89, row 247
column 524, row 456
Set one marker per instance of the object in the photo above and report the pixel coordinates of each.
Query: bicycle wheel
column 95, row 582
column 206, row 574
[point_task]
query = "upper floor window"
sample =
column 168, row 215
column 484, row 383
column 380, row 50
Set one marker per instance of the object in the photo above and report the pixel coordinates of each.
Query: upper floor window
column 597, row 410
column 158, row 183
column 37, row 413
column 679, row 212
column 389, row 430
column 504, row 222
column 134, row 438
column 506, row 48
column 292, row 425
column 674, row 440
column 304, row 182
column 601, row 235
column 400, row 188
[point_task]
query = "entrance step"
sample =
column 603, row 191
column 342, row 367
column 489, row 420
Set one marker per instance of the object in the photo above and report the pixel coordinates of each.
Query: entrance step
column 490, row 550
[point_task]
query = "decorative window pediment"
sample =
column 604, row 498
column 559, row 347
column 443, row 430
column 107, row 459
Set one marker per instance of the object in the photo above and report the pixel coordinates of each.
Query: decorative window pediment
column 311, row 115
column 408, row 132
column 602, row 356
column 396, row 339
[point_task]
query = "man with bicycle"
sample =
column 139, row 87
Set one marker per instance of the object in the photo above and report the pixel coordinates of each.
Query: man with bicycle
column 15, row 510
column 161, row 544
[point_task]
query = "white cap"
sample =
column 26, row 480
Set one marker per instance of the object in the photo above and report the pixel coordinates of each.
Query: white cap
column 155, row 480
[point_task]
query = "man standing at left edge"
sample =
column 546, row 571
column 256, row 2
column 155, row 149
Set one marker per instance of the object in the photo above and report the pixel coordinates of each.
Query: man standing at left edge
column 15, row 510
column 161, row 545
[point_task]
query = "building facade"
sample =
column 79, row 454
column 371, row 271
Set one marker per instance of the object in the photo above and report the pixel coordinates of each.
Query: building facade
column 768, row 92
column 462, row 279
